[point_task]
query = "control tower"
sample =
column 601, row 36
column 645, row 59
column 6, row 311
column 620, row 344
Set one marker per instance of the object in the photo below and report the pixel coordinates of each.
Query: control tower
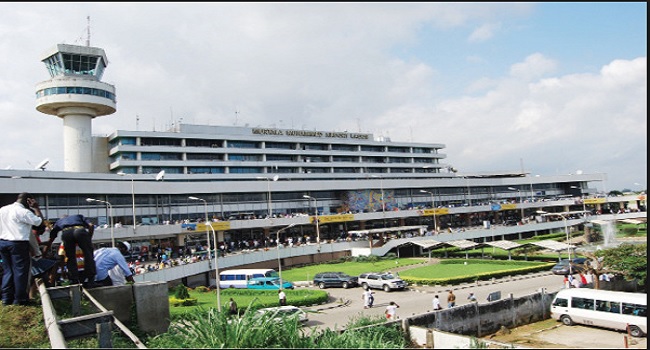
column 76, row 94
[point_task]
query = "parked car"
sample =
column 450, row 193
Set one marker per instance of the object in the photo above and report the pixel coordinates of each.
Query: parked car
column 381, row 280
column 562, row 267
column 335, row 279
column 268, row 283
column 282, row 312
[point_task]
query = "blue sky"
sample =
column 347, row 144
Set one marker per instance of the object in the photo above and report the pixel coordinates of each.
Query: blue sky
column 558, row 87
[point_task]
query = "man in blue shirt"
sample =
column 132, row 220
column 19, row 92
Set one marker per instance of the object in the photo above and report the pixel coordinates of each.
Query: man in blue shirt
column 107, row 258
column 76, row 230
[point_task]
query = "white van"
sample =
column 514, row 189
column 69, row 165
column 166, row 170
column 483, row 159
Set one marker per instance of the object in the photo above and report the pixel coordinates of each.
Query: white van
column 239, row 278
column 602, row 308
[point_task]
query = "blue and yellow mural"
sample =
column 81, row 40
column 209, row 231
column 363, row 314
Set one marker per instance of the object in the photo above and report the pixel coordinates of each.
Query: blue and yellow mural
column 368, row 200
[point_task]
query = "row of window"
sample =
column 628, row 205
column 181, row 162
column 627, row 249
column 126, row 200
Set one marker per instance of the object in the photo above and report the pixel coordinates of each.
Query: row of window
column 604, row 306
column 78, row 90
column 148, row 156
column 157, row 141
column 65, row 63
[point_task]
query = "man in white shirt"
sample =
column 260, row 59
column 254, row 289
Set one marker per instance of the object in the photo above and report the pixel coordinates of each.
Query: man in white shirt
column 16, row 221
column 108, row 258
column 283, row 297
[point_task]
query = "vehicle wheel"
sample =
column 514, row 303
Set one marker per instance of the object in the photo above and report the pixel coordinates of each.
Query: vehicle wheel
column 345, row 285
column 636, row 332
column 386, row 288
column 321, row 285
column 566, row 320
column 364, row 285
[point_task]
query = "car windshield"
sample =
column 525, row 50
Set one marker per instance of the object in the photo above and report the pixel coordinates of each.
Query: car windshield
column 388, row 276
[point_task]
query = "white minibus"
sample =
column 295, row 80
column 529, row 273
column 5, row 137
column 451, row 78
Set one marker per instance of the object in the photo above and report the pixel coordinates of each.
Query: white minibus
column 602, row 308
column 239, row 278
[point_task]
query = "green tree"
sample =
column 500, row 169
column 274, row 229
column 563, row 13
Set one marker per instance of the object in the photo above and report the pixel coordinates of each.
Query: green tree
column 629, row 260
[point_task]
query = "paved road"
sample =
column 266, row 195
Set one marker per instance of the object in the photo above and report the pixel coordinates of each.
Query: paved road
column 418, row 300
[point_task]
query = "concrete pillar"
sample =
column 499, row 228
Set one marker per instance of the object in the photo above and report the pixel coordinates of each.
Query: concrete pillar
column 150, row 299
column 151, row 306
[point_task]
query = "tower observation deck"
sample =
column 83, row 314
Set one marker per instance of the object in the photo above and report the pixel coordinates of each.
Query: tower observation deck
column 76, row 94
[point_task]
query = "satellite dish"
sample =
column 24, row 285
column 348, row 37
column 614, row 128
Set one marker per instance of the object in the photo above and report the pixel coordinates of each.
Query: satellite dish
column 579, row 172
column 42, row 164
column 160, row 176
column 8, row 167
column 276, row 177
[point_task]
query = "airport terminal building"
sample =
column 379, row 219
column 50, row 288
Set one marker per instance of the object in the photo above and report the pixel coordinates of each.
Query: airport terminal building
column 250, row 182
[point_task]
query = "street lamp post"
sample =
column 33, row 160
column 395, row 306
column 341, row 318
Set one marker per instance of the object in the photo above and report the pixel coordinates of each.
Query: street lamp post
column 268, row 187
column 110, row 209
column 216, row 251
column 433, row 206
column 278, row 249
column 521, row 202
column 383, row 205
column 121, row 173
column 566, row 230
column 316, row 218
column 582, row 198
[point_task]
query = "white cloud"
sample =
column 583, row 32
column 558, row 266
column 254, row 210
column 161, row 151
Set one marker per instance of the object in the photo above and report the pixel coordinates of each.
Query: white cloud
column 484, row 32
column 330, row 66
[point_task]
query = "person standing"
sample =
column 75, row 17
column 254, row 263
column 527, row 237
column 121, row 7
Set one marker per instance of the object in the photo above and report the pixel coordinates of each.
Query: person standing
column 368, row 298
column 451, row 299
column 436, row 303
column 391, row 311
column 76, row 230
column 16, row 221
column 583, row 280
column 283, row 297
column 108, row 258
column 232, row 307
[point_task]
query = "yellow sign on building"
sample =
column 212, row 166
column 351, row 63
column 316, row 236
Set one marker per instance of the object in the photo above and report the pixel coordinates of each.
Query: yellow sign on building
column 333, row 218
column 436, row 211
column 217, row 226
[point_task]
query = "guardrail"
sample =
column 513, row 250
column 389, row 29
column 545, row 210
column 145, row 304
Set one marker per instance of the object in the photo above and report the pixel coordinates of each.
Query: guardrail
column 100, row 323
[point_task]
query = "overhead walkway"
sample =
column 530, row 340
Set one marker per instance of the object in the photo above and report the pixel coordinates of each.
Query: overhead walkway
column 489, row 237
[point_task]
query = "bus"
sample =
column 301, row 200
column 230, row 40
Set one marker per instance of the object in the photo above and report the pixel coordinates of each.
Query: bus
column 602, row 308
column 239, row 278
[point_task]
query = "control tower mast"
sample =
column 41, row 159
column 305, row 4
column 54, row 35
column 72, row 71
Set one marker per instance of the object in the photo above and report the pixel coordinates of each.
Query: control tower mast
column 76, row 94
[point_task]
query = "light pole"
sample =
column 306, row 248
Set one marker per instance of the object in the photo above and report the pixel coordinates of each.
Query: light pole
column 469, row 193
column 433, row 205
column 121, row 173
column 582, row 198
column 381, row 188
column 521, row 202
column 110, row 210
column 216, row 251
column 268, row 187
column 566, row 230
column 316, row 218
column 278, row 249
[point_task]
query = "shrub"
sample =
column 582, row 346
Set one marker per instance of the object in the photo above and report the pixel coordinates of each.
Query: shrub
column 173, row 301
column 181, row 292
column 202, row 289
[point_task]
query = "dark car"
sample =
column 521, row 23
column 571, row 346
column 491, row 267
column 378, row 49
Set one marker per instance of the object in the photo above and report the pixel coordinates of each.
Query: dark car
column 562, row 267
column 335, row 279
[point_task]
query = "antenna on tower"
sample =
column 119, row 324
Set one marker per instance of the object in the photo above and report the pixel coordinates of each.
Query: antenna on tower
column 236, row 116
column 137, row 122
column 88, row 31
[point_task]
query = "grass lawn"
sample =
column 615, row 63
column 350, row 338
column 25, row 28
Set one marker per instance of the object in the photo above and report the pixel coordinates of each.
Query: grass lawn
column 243, row 297
column 460, row 269
column 352, row 268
